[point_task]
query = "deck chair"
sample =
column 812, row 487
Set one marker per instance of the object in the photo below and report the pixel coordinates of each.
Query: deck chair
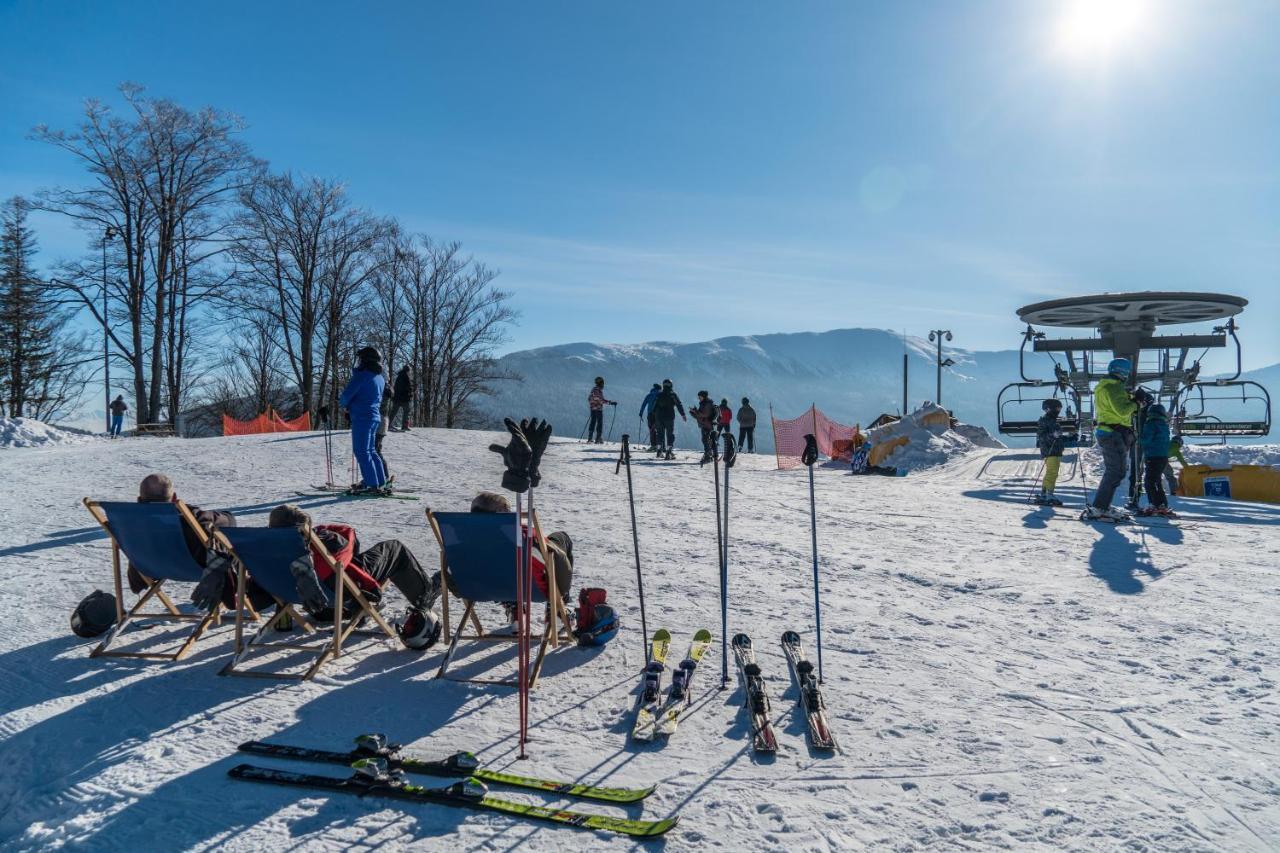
column 478, row 555
column 151, row 537
column 264, row 554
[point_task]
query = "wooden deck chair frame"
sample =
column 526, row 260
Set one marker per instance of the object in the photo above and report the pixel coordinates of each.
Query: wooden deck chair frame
column 330, row 649
column 154, row 590
column 556, row 617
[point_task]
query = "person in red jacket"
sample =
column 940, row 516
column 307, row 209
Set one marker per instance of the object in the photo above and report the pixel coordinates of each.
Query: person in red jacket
column 724, row 417
column 390, row 560
column 596, row 402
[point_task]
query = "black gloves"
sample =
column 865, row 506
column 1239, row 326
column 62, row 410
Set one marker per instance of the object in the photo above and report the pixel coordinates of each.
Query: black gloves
column 518, row 457
column 308, row 584
column 730, row 454
column 537, row 433
column 810, row 454
column 208, row 592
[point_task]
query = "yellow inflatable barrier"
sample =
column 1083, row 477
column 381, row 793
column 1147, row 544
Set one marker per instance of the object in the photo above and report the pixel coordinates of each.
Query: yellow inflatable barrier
column 1238, row 482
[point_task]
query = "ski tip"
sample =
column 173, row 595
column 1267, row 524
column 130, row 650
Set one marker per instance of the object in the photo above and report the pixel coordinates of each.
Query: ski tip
column 662, row 634
column 741, row 640
column 661, row 827
column 703, row 636
column 790, row 637
column 241, row 770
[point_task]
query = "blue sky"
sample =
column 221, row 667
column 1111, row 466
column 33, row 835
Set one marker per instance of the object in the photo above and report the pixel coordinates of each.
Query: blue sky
column 683, row 171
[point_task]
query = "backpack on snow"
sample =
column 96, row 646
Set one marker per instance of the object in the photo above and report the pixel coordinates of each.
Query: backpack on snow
column 597, row 621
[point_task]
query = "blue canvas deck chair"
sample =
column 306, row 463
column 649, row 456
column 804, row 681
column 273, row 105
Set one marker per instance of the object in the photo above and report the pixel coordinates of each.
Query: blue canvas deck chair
column 478, row 563
column 264, row 554
column 151, row 537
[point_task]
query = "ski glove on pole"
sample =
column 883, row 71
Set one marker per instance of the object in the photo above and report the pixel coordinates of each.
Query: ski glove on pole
column 537, row 433
column 309, row 589
column 810, row 454
column 730, row 454
column 517, row 456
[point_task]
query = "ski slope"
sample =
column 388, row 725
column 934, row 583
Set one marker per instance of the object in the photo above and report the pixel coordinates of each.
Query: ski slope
column 997, row 674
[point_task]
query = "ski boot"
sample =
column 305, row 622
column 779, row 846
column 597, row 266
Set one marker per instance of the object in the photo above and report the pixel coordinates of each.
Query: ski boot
column 375, row 745
column 1110, row 515
column 1165, row 512
column 1050, row 500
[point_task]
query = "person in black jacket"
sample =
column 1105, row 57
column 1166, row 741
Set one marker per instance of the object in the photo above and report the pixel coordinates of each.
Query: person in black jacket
column 747, row 427
column 401, row 398
column 1049, row 441
column 665, row 406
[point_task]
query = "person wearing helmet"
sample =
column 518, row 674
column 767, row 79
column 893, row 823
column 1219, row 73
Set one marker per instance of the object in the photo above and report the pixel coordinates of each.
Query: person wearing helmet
column 665, row 406
column 1170, row 475
column 362, row 399
column 1155, row 453
column 596, row 402
column 650, row 418
column 1049, row 440
column 1114, row 408
column 724, row 416
column 705, row 414
column 746, row 427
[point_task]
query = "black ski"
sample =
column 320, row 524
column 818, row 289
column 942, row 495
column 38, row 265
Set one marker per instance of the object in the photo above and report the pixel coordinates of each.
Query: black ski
column 763, row 741
column 458, row 764
column 372, row 779
column 815, row 710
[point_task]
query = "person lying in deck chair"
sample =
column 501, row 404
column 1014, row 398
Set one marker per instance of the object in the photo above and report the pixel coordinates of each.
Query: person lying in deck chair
column 390, row 560
column 561, row 552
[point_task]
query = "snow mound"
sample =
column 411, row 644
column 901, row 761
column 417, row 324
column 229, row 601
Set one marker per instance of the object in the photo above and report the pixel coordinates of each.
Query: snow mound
column 1223, row 456
column 29, row 432
column 930, row 439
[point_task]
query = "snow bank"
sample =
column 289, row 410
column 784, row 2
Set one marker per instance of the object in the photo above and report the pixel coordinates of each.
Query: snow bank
column 1222, row 456
column 931, row 440
column 29, row 432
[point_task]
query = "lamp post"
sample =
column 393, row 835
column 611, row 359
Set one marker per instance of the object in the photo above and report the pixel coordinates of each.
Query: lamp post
column 107, row 236
column 937, row 335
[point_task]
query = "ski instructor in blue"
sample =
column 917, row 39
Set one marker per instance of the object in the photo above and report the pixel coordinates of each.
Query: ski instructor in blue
column 362, row 399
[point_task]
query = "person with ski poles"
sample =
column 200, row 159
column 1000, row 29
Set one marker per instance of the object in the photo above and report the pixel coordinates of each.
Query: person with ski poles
column 724, row 417
column 1114, row 409
column 401, row 398
column 647, row 413
column 362, row 400
column 705, row 415
column 746, row 427
column 596, row 402
column 1049, row 442
column 665, row 406
column 118, row 408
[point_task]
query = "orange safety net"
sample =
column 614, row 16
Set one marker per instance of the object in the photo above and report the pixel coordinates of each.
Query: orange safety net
column 268, row 421
column 834, row 439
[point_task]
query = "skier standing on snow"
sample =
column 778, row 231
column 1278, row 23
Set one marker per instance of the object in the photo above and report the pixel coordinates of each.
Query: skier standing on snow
column 646, row 412
column 362, row 399
column 705, row 414
column 1049, row 441
column 118, row 408
column 665, row 406
column 1155, row 451
column 322, row 418
column 1114, row 408
column 746, row 427
column 724, row 416
column 1171, row 476
column 596, row 402
column 401, row 398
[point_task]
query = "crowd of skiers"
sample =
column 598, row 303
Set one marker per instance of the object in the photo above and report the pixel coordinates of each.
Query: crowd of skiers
column 1116, row 408
column 658, row 410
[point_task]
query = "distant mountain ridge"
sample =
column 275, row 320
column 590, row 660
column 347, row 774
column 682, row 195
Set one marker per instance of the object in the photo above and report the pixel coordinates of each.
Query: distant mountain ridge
column 853, row 375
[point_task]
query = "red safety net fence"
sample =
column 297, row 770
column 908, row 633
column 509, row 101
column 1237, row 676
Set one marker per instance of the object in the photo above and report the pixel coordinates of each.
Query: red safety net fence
column 834, row 439
column 268, row 421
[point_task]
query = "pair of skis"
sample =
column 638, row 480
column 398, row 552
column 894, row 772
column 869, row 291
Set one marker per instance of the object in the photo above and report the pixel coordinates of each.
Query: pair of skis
column 380, row 770
column 654, row 714
column 756, row 696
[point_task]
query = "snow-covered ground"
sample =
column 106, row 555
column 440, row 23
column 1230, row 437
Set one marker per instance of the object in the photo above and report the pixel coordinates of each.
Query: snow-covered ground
column 29, row 432
column 997, row 674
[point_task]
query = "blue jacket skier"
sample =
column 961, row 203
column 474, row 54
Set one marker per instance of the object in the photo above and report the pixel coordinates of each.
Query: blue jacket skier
column 362, row 398
column 651, row 419
column 1156, row 442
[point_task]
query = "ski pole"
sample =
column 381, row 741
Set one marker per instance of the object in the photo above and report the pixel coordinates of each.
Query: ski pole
column 809, row 458
column 612, row 420
column 730, row 455
column 526, row 617
column 583, row 434
column 624, row 458
column 724, row 618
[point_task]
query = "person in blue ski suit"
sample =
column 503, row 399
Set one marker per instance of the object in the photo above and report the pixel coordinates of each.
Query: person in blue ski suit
column 651, row 420
column 362, row 398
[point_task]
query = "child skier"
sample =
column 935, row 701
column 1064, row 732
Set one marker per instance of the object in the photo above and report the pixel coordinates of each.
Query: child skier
column 362, row 399
column 1049, row 441
column 1155, row 452
column 1171, row 476
column 596, row 402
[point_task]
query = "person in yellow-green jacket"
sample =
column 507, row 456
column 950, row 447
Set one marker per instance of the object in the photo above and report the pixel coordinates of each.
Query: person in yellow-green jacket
column 1114, row 407
column 1170, row 475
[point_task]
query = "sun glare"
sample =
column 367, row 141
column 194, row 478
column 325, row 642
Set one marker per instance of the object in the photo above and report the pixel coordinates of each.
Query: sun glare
column 1095, row 29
